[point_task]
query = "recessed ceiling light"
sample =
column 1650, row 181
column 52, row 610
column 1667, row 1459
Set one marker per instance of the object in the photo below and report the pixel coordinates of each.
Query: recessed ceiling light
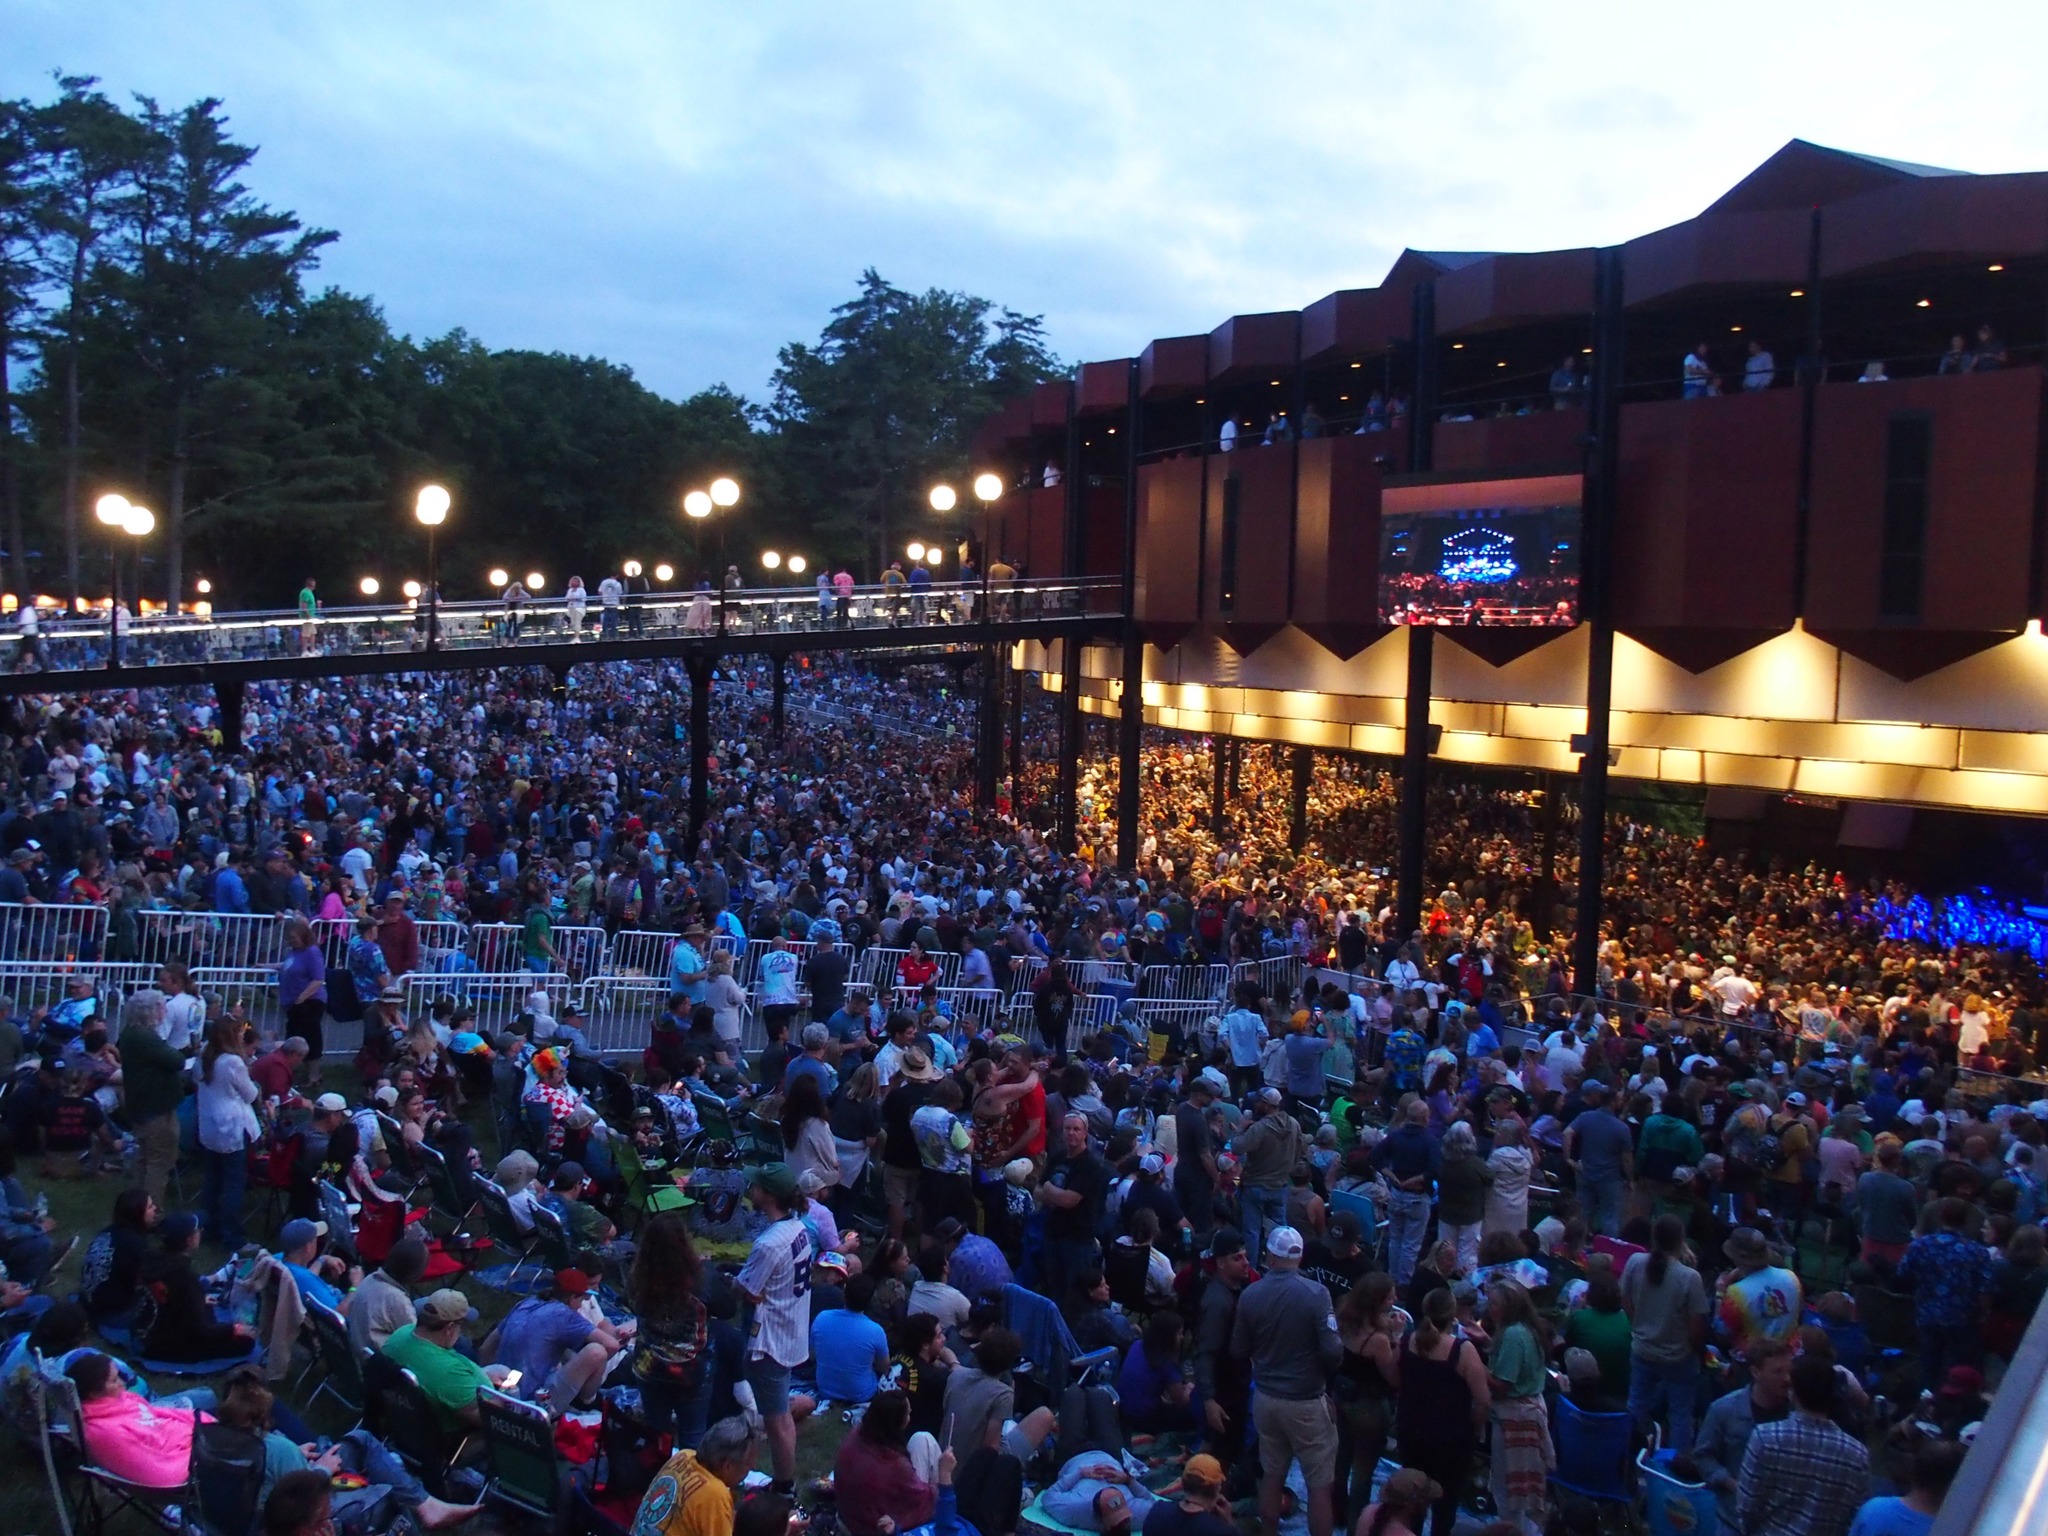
column 1276, row 383
column 1457, row 346
column 1200, row 401
column 1361, row 365
column 1112, row 431
column 1798, row 293
column 1996, row 266
column 1734, row 327
column 1343, row 397
column 1924, row 304
column 1500, row 365
column 1586, row 351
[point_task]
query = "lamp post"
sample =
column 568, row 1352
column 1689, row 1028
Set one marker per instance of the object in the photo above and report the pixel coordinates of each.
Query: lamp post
column 431, row 508
column 724, row 492
column 988, row 488
column 116, row 511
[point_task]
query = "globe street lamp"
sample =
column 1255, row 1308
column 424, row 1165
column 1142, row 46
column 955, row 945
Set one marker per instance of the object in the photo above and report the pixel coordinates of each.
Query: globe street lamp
column 431, row 508
column 664, row 573
column 797, row 565
column 499, row 578
column 724, row 492
column 944, row 498
column 934, row 555
column 369, row 586
column 117, row 512
column 534, row 582
column 770, row 560
column 916, row 550
column 987, row 489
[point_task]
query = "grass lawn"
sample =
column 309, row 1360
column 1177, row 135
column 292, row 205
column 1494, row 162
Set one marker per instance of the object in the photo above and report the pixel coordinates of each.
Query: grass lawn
column 81, row 1206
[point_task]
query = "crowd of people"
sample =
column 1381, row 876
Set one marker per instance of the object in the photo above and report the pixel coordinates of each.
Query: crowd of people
column 1360, row 1241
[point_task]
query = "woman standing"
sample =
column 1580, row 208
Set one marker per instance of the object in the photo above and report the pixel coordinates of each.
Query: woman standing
column 807, row 1134
column 1522, row 1457
column 1371, row 1327
column 1507, row 1197
column 576, row 599
column 1461, row 1194
column 1440, row 1406
column 302, row 988
column 856, row 1122
column 670, row 1356
column 727, row 1000
column 227, row 1127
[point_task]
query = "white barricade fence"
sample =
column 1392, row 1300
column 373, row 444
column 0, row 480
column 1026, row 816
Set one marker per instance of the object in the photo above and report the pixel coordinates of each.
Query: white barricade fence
column 1088, row 975
column 43, row 983
column 252, row 988
column 438, row 936
column 1185, row 983
column 40, row 931
column 878, row 967
column 1276, row 976
column 231, row 939
column 638, row 952
column 497, row 997
column 978, row 1008
column 623, row 1011
column 1024, row 973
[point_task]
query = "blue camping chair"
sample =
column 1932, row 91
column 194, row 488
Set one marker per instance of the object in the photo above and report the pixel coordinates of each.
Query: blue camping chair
column 1048, row 1343
column 1368, row 1218
column 1592, row 1453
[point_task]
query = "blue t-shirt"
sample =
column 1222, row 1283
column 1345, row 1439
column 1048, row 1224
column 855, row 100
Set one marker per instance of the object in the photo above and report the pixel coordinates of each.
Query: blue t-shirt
column 1603, row 1142
column 844, row 1347
column 537, row 1335
column 1890, row 1517
column 809, row 1066
column 1140, row 1388
column 313, row 1288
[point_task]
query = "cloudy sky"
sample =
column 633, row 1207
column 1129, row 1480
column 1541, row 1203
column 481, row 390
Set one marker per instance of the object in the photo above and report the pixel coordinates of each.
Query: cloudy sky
column 684, row 187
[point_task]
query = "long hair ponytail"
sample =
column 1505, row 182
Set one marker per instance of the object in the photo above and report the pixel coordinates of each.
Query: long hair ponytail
column 1667, row 1240
column 1438, row 1308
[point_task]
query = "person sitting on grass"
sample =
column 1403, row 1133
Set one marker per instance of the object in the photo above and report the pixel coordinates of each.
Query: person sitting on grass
column 692, row 1493
column 884, row 1471
column 390, row 1490
column 850, row 1348
column 186, row 1327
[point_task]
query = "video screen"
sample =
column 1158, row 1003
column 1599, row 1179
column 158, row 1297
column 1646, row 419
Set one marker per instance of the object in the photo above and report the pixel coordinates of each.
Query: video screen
column 1502, row 552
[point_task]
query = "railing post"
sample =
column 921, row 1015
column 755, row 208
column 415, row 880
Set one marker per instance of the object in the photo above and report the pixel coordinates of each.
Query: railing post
column 698, row 666
column 781, row 686
column 1066, row 820
column 227, row 693
column 1414, row 809
column 1304, row 774
column 1131, row 712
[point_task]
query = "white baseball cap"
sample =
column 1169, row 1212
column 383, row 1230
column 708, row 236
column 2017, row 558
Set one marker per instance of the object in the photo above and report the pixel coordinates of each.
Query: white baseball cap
column 1283, row 1243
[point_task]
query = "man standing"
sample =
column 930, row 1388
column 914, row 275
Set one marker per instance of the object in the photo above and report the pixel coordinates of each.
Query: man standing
column 1287, row 1329
column 1267, row 1150
column 688, row 974
column 1411, row 1160
column 775, row 1281
column 153, row 1085
column 1244, row 1031
column 399, row 937
column 1074, row 1189
column 1194, row 1169
column 1732, row 1418
column 1951, row 1276
column 1803, row 1476
column 1221, row 1382
column 608, row 594
column 1600, row 1146
column 825, row 975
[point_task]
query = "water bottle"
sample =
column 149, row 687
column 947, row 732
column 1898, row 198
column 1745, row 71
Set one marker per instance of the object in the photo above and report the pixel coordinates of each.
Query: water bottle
column 42, row 1207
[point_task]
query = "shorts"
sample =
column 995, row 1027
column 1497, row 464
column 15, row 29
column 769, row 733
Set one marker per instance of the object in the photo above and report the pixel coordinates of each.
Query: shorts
column 1297, row 1427
column 899, row 1185
column 1018, row 1444
column 770, row 1382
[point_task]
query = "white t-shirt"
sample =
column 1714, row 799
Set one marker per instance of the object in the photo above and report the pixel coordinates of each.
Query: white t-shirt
column 779, row 1272
column 609, row 591
column 358, row 864
column 184, row 1017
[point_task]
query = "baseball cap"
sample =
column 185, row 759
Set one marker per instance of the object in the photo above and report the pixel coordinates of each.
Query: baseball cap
column 1228, row 1240
column 298, row 1232
column 1283, row 1243
column 177, row 1229
column 1796, row 1100
column 447, row 1306
column 331, row 1104
column 778, row 1179
column 1203, row 1472
column 832, row 1261
column 386, row 1097
column 570, row 1175
column 1412, row 1487
column 572, row 1282
column 1152, row 1163
column 1345, row 1227
column 1269, row 1096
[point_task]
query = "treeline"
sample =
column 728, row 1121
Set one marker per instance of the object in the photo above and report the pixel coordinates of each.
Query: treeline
column 161, row 336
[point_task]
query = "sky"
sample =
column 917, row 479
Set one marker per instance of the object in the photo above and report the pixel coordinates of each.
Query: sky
column 684, row 188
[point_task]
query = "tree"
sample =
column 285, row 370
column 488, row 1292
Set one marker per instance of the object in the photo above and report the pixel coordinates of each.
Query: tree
column 89, row 149
column 886, row 402
column 205, row 294
column 19, row 310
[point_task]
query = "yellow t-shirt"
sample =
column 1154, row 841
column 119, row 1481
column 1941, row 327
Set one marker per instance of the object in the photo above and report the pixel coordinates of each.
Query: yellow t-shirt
column 684, row 1500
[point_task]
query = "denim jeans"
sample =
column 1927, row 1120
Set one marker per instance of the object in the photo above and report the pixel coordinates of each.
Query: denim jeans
column 1407, row 1223
column 678, row 1411
column 1655, row 1385
column 1263, row 1209
column 1601, row 1201
column 220, row 1197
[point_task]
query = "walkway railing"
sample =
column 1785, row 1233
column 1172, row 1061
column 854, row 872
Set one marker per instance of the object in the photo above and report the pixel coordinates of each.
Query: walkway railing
column 85, row 643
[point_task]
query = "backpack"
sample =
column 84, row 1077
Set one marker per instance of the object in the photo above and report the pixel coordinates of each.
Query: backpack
column 1761, row 1151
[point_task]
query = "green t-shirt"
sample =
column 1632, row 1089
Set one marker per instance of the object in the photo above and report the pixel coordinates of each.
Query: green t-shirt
column 449, row 1380
column 1517, row 1360
column 308, row 603
column 1608, row 1337
column 538, row 930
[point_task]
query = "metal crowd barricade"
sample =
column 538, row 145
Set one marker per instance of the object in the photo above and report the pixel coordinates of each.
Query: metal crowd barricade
column 253, row 986
column 623, row 1010
column 1185, row 983
column 639, row 952
column 216, row 939
column 33, row 983
column 877, row 967
column 332, row 935
column 979, row 1008
column 498, row 997
column 40, row 931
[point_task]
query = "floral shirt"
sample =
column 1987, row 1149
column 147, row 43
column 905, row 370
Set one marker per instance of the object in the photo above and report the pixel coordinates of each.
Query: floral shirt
column 1949, row 1275
column 1405, row 1050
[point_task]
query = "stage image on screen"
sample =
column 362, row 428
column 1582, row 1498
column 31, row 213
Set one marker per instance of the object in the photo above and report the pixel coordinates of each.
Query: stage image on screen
column 1502, row 552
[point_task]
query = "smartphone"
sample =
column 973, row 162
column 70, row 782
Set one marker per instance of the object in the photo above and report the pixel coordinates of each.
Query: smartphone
column 511, row 1381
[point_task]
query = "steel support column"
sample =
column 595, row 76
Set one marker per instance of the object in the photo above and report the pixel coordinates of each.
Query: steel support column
column 1219, row 749
column 1304, row 774
column 227, row 693
column 1414, row 808
column 1131, row 713
column 988, row 728
column 1596, row 605
column 781, row 688
column 1066, row 819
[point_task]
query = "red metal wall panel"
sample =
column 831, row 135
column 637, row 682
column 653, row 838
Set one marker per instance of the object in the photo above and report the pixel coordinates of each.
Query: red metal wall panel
column 1049, row 404
column 1936, row 219
column 1169, row 598
column 1102, row 529
column 1718, row 250
column 1337, row 542
column 1104, row 388
column 1046, row 549
column 1980, row 513
column 1245, row 345
column 1174, row 365
column 1513, row 289
column 1709, row 514
column 1265, row 508
column 1543, row 440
